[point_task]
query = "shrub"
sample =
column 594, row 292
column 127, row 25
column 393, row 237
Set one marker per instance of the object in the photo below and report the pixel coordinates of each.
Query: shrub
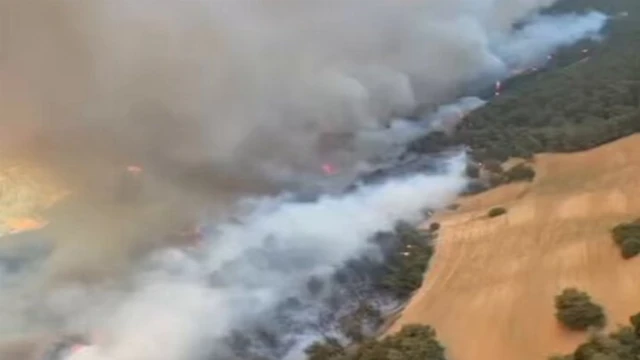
column 493, row 166
column 407, row 265
column 472, row 171
column 330, row 348
column 561, row 357
column 495, row 179
column 413, row 342
column 520, row 172
column 623, row 344
column 407, row 273
column 626, row 230
column 627, row 237
column 630, row 247
column 453, row 207
column 576, row 311
column 361, row 323
column 497, row 211
column 475, row 187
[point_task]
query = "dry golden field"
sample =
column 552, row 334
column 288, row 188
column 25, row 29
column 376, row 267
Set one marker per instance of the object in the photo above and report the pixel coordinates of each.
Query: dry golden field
column 489, row 292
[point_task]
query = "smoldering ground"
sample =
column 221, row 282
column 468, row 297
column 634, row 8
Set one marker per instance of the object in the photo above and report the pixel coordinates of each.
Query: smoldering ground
column 217, row 101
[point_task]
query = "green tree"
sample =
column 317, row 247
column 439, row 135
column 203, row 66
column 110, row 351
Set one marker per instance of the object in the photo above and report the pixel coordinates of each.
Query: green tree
column 623, row 344
column 520, row 172
column 328, row 349
column 413, row 342
column 576, row 311
column 406, row 266
column 627, row 237
column 630, row 247
column 497, row 211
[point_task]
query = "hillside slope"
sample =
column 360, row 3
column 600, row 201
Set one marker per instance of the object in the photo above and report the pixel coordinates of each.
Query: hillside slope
column 489, row 292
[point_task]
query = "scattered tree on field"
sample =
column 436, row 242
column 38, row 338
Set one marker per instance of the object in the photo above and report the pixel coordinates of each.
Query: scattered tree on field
column 497, row 211
column 627, row 237
column 576, row 311
column 520, row 172
column 623, row 344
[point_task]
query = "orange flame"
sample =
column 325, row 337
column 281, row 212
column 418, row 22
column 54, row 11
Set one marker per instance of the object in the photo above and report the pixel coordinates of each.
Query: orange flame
column 77, row 348
column 17, row 225
column 329, row 169
column 134, row 169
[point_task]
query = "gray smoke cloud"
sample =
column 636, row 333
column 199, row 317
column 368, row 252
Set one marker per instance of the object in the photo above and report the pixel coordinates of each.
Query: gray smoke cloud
column 174, row 304
column 236, row 87
column 218, row 101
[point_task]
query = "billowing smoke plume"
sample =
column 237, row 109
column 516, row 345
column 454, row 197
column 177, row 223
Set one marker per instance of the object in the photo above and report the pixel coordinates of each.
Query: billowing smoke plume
column 237, row 88
column 543, row 34
column 252, row 266
column 217, row 101
column 384, row 145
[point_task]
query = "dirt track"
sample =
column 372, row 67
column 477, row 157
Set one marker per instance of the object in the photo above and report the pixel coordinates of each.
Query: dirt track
column 489, row 292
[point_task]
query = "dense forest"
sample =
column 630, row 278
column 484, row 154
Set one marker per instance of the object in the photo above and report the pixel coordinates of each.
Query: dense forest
column 588, row 96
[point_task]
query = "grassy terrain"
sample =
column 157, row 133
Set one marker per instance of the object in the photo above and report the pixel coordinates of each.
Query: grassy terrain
column 490, row 288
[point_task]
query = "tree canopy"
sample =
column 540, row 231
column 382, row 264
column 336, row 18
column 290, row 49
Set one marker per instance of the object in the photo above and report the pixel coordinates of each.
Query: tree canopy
column 627, row 237
column 623, row 344
column 589, row 95
column 413, row 342
column 576, row 311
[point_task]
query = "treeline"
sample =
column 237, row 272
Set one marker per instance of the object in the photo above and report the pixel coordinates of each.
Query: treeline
column 589, row 97
column 623, row 344
column 413, row 342
column 405, row 268
column 343, row 308
column 627, row 237
column 399, row 275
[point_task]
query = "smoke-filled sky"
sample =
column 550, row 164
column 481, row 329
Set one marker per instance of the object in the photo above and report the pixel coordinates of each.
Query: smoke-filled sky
column 245, row 86
column 220, row 100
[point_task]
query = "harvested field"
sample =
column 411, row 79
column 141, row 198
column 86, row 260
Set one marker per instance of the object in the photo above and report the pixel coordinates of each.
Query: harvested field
column 489, row 292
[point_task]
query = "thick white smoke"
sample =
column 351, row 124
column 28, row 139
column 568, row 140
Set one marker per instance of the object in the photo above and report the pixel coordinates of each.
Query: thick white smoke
column 385, row 145
column 543, row 34
column 176, row 312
